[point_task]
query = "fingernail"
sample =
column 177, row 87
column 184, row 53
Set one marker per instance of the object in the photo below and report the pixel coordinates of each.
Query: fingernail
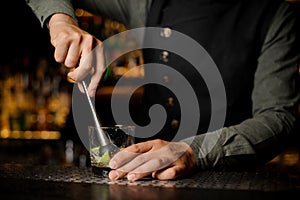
column 113, row 164
column 153, row 174
column 131, row 177
column 113, row 175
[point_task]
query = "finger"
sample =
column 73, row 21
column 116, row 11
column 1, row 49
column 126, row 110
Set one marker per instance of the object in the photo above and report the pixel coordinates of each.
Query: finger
column 141, row 147
column 168, row 173
column 146, row 163
column 86, row 60
column 136, row 176
column 137, row 154
column 84, row 67
column 80, row 72
column 80, row 87
column 121, row 158
column 92, row 88
column 99, row 62
column 147, row 168
column 61, row 51
column 72, row 56
column 115, row 174
column 129, row 153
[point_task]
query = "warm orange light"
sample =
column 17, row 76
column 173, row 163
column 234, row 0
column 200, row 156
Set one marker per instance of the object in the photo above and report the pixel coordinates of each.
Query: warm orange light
column 30, row 135
column 5, row 133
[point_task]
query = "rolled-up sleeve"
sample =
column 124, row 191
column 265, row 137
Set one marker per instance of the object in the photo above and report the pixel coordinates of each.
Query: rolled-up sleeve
column 131, row 13
column 44, row 9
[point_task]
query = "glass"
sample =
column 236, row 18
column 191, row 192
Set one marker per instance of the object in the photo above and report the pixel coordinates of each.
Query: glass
column 120, row 135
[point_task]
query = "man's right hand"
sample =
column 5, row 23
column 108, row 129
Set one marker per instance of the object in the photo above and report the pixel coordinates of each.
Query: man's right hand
column 76, row 48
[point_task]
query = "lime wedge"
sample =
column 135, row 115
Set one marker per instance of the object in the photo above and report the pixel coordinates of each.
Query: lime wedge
column 105, row 158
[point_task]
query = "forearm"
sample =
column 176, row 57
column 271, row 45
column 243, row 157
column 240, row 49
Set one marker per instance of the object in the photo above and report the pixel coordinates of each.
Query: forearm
column 250, row 143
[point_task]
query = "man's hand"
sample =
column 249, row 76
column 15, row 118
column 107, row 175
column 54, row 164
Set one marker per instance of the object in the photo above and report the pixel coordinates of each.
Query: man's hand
column 77, row 48
column 163, row 160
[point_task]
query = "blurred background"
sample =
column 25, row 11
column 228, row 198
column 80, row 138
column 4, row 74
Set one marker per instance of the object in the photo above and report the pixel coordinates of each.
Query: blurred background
column 36, row 124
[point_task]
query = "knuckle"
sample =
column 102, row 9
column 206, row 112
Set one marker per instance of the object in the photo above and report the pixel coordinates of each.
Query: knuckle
column 89, row 38
column 158, row 141
column 88, row 41
column 135, row 148
column 75, row 36
column 159, row 162
column 63, row 36
column 53, row 41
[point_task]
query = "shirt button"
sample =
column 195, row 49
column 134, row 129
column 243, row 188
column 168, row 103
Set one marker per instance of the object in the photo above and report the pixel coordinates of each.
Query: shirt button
column 164, row 56
column 166, row 32
column 170, row 101
column 174, row 124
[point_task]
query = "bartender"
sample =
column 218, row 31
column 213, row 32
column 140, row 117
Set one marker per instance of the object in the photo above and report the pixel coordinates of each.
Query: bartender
column 254, row 44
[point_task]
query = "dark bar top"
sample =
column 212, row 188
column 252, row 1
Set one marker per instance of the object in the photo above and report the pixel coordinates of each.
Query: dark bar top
column 20, row 181
column 38, row 170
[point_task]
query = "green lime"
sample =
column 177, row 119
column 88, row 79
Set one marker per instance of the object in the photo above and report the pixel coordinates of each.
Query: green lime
column 105, row 158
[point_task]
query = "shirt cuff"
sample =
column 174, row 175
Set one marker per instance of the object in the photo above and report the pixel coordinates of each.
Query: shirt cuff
column 45, row 9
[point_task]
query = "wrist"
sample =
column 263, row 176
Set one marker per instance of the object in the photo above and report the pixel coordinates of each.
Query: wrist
column 61, row 18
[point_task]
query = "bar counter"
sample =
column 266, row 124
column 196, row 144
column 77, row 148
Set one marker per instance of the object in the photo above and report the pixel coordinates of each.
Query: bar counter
column 38, row 170
column 21, row 181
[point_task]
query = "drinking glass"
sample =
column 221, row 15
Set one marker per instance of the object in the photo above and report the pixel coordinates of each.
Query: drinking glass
column 120, row 135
